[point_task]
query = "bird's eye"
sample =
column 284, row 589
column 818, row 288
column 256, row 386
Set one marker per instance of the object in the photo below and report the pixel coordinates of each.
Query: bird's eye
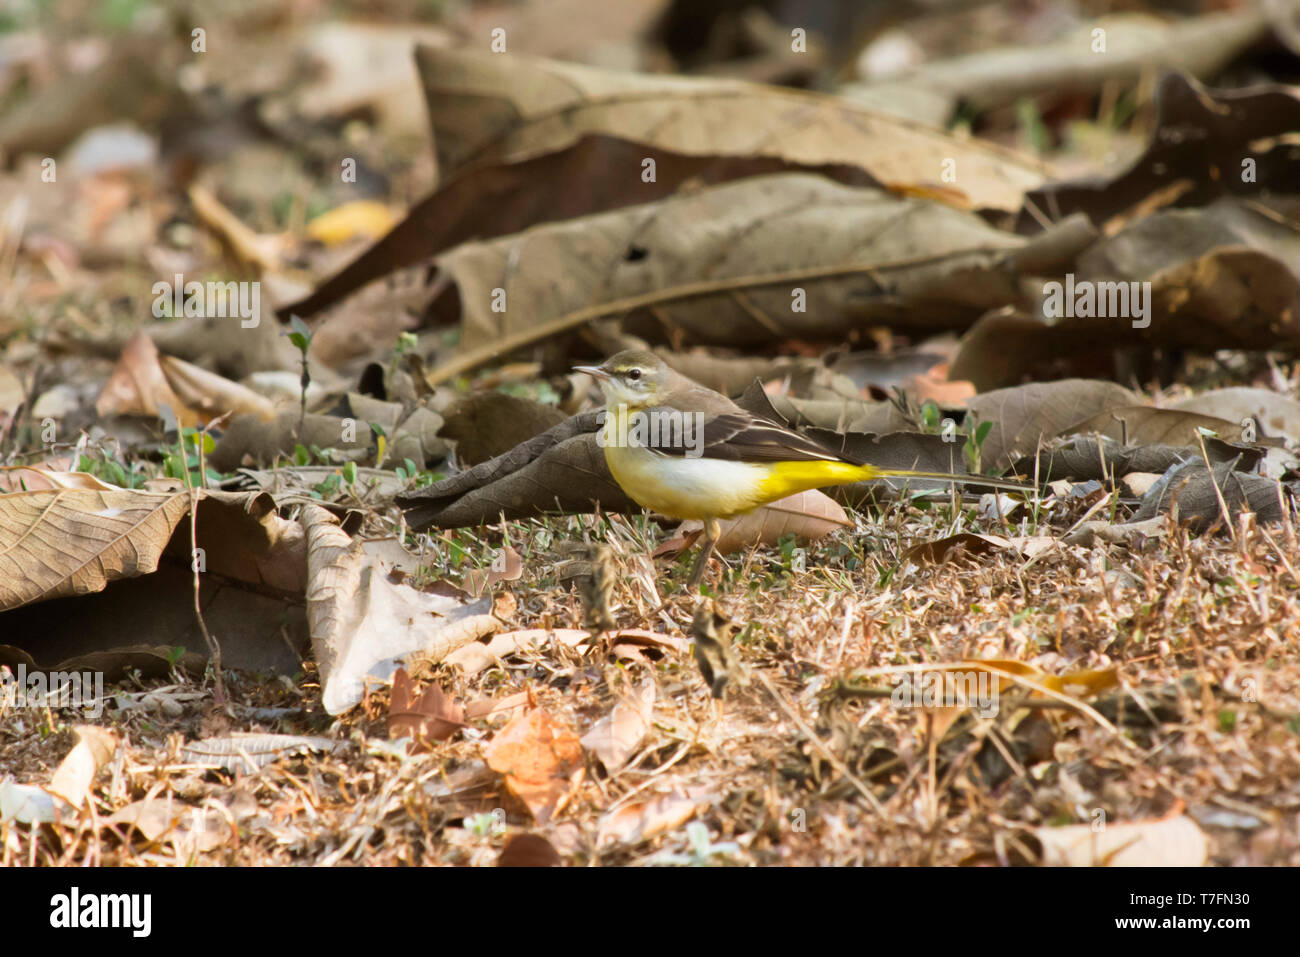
column 634, row 374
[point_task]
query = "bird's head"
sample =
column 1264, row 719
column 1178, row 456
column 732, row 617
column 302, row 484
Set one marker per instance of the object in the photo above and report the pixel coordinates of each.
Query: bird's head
column 634, row 378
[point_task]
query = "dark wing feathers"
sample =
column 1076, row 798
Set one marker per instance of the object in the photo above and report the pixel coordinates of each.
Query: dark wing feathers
column 741, row 437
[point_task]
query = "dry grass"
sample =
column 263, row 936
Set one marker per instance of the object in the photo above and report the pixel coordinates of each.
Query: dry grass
column 1202, row 631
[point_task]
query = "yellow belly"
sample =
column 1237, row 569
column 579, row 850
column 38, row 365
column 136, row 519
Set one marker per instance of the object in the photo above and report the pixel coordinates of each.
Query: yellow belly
column 700, row 488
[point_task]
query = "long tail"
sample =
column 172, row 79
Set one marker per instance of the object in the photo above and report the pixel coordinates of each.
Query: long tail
column 968, row 479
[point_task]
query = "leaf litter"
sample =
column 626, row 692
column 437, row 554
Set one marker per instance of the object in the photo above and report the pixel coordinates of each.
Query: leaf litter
column 417, row 673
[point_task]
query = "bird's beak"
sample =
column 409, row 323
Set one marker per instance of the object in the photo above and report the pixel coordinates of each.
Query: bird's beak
column 596, row 372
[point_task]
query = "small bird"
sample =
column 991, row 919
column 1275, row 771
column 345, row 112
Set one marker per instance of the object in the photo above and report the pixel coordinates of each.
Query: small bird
column 685, row 451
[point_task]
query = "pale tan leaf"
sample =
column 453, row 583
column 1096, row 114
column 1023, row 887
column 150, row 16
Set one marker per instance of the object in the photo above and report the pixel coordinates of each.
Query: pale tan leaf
column 1171, row 842
column 616, row 736
column 809, row 516
column 487, row 107
column 77, row 771
column 32, row 478
column 363, row 624
column 636, row 823
column 75, row 541
column 248, row 752
column 1277, row 414
column 1144, row 425
column 507, row 566
column 720, row 262
column 211, row 395
column 186, row 827
column 138, row 385
column 474, row 658
column 973, row 543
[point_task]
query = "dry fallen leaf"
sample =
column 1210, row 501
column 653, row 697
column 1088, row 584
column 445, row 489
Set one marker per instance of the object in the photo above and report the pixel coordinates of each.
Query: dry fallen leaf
column 138, row 385
column 973, row 543
column 211, row 395
column 507, row 566
column 426, row 717
column 539, row 760
column 1167, row 842
column 636, row 823
column 75, row 541
column 248, row 752
column 190, row 829
column 363, row 218
column 485, row 107
column 616, row 736
column 363, row 624
column 76, row 773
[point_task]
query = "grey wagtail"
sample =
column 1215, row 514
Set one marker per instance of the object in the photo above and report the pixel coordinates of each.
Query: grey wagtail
column 685, row 451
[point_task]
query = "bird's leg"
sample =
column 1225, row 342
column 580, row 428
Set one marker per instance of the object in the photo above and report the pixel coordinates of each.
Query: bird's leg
column 712, row 532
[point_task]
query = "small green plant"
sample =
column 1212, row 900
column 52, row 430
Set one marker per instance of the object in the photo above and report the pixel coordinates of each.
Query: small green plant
column 188, row 457
column 114, row 473
column 702, row 851
column 328, row 487
column 485, row 825
column 930, row 416
column 301, row 338
column 974, row 444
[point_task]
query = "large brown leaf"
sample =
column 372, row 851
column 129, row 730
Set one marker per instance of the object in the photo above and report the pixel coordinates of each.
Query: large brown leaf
column 721, row 265
column 75, row 541
column 486, row 107
column 67, row 545
column 497, row 199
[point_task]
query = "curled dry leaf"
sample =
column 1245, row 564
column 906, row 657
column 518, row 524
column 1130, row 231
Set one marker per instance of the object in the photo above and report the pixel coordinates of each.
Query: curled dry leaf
column 248, row 752
column 539, row 760
column 77, row 771
column 211, row 395
column 189, row 829
column 138, row 385
column 719, row 264
column 637, row 823
column 507, row 566
column 809, row 516
column 144, row 381
column 424, row 717
column 1275, row 414
column 485, row 107
column 363, row 624
column 1199, row 497
column 1144, row 425
column 618, row 735
column 1168, row 842
column 31, row 478
column 1025, row 415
